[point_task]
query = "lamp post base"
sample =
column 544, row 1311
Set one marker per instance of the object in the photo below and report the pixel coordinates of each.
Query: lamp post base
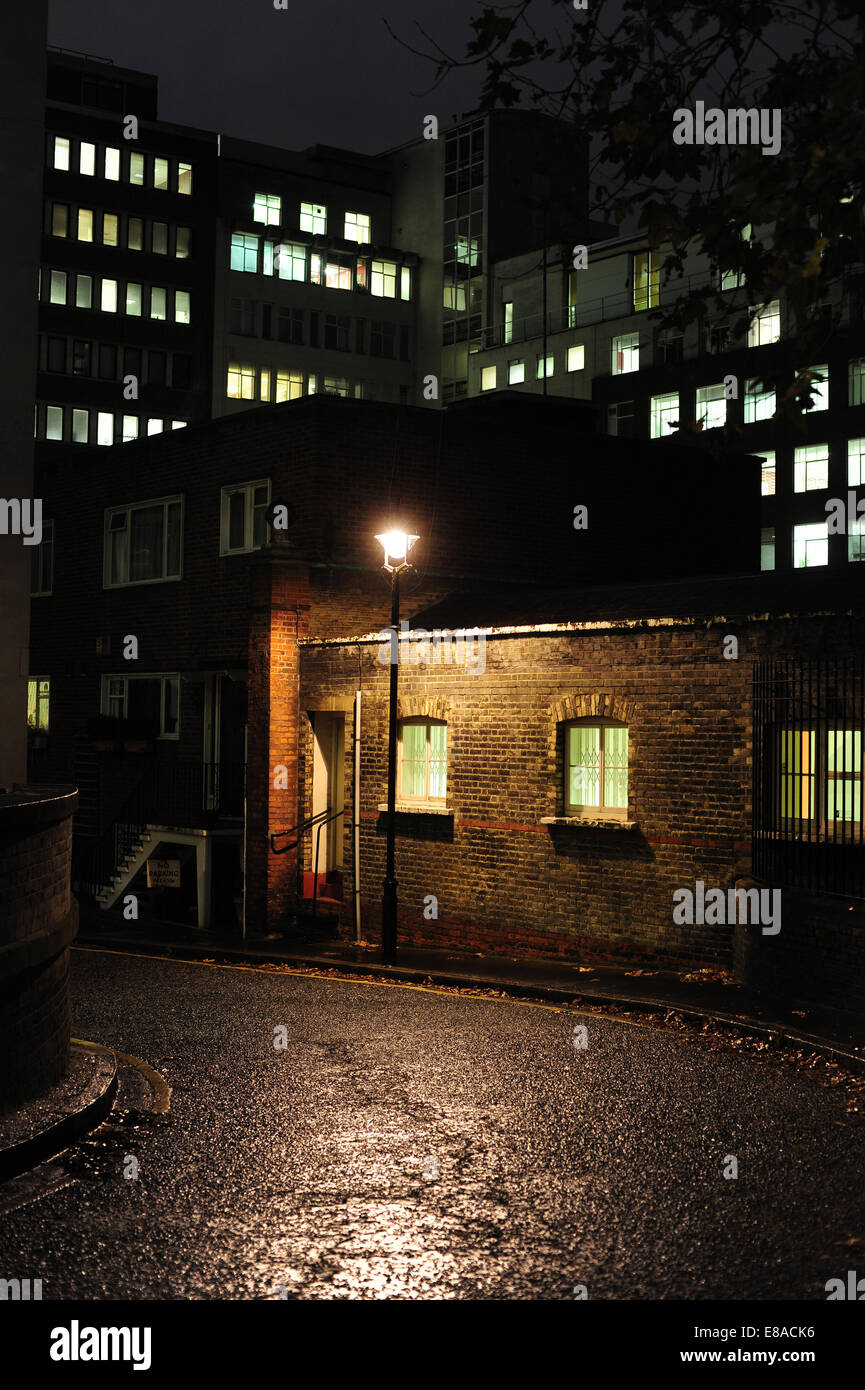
column 388, row 921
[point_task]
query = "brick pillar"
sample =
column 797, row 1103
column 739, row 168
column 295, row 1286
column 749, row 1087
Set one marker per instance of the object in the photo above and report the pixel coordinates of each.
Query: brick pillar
column 279, row 615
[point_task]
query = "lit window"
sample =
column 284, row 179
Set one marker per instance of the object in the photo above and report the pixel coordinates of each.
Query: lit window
column 129, row 428
column 241, row 382
column 810, row 467
column 42, row 564
column 508, row 321
column 819, row 388
column 112, row 163
column 360, row 273
column 87, row 158
column 759, row 405
column 550, row 364
column 334, row 386
column 767, row 474
column 244, row 252
column 179, row 424
column 336, row 276
column 83, row 292
column 184, row 178
column 664, row 414
column 765, row 326
column 267, row 208
column 488, row 378
column 383, row 279
column 57, row 290
column 154, row 425
column 810, row 545
column 61, row 152
column 38, row 701
column 289, row 258
column 133, row 299
column 467, row 250
column 109, row 228
column 732, row 279
column 136, row 169
column 357, row 228
column 576, row 358
column 856, row 381
column 572, row 299
column 855, row 462
column 108, row 302
column 159, row 238
column 181, row 306
column 80, row 427
column 405, row 282
column 313, row 218
column 289, row 386
column 712, row 406
column 516, row 372
column 264, row 386
column 596, row 769
column 85, row 224
column 625, row 354
column 182, row 241
column 135, row 234
column 315, row 269
column 59, row 219
column 422, row 761
column 105, row 428
column 150, row 703
column 158, row 302
column 53, row 422
column 160, row 173
column 454, row 295
column 767, row 548
column 647, row 278
column 143, row 542
column 243, row 524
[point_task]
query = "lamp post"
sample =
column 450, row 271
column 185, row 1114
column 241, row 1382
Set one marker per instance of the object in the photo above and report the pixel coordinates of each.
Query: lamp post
column 396, row 545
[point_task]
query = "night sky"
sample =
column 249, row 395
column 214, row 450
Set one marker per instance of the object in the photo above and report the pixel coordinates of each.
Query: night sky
column 324, row 72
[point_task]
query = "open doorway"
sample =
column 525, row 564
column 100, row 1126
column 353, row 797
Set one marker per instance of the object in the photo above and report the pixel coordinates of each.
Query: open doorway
column 328, row 793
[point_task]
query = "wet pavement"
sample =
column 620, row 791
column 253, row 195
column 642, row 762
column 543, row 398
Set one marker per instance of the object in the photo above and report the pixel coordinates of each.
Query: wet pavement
column 418, row 1145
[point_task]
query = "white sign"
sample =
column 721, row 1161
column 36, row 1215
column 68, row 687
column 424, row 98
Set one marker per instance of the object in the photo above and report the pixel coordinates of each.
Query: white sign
column 163, row 873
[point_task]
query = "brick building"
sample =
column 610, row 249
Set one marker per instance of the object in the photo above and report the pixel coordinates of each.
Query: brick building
column 578, row 738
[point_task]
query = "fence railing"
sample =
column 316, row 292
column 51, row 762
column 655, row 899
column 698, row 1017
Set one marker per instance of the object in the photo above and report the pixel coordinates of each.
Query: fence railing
column 809, row 729
column 185, row 795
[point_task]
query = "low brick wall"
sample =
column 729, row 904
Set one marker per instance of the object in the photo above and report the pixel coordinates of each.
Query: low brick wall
column 38, row 921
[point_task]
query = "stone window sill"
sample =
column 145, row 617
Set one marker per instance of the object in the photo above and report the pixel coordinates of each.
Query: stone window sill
column 415, row 810
column 590, row 823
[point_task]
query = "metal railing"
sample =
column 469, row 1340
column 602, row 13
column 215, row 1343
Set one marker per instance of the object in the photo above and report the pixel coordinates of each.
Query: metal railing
column 182, row 794
column 809, row 731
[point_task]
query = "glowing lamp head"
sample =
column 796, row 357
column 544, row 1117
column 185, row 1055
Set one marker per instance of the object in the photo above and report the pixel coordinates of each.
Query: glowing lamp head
column 396, row 546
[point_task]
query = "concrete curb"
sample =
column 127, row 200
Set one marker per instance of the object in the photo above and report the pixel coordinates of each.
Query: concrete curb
column 54, row 1138
column 407, row 974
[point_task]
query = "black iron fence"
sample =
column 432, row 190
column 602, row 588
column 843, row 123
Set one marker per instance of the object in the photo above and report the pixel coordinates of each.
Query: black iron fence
column 179, row 794
column 809, row 727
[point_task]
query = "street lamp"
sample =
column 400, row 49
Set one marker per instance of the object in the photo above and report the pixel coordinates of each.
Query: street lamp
column 396, row 546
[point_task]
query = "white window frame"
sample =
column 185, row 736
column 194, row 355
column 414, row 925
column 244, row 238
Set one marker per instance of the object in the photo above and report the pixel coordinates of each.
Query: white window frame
column 708, row 397
column 434, row 802
column 765, row 325
column 382, row 279
column 241, row 375
column 111, row 512
column 225, row 496
column 488, row 378
column 603, row 810
column 356, row 227
column 811, row 468
column 516, row 371
column 661, row 411
column 108, row 700
column 576, row 357
column 313, row 218
column 801, row 543
column 267, row 208
column 758, row 405
column 624, row 354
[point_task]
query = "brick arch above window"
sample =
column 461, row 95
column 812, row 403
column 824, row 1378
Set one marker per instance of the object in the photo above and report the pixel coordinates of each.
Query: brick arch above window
column 423, row 707
column 593, row 706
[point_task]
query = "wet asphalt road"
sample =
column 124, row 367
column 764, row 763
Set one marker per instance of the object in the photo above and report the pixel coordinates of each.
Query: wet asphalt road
column 417, row 1145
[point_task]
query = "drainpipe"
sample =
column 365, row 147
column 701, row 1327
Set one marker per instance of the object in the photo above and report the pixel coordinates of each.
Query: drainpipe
column 356, row 818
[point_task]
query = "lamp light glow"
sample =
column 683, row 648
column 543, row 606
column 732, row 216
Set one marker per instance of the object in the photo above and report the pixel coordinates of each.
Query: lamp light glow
column 396, row 546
